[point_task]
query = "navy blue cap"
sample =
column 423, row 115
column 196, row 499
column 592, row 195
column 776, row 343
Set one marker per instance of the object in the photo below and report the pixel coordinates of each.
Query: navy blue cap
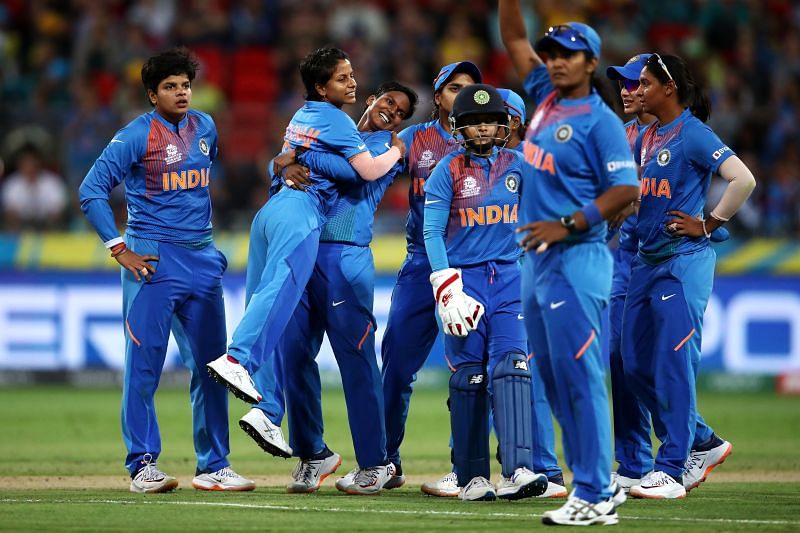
column 572, row 36
column 467, row 67
column 631, row 70
column 514, row 103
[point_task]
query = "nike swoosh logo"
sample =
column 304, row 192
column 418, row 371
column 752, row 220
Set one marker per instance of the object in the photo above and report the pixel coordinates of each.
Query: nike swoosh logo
column 387, row 146
column 335, row 303
column 556, row 305
column 665, row 298
column 429, row 202
column 520, row 317
column 362, row 146
column 116, row 141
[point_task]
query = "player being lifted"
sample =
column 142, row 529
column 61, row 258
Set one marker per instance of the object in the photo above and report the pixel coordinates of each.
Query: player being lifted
column 165, row 157
column 284, row 235
column 471, row 203
column 338, row 301
column 673, row 273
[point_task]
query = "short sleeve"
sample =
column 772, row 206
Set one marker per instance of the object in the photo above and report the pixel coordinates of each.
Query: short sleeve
column 703, row 148
column 611, row 154
column 342, row 135
column 439, row 183
column 537, row 84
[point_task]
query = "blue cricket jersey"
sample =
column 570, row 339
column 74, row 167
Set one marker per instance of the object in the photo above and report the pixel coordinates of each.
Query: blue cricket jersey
column 426, row 145
column 677, row 160
column 575, row 150
column 351, row 215
column 323, row 127
column 474, row 208
column 627, row 231
column 167, row 171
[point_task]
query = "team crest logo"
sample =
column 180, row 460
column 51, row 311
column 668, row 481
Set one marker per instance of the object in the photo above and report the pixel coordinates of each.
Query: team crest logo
column 470, row 187
column 663, row 157
column 173, row 155
column 426, row 160
column 632, row 60
column 563, row 133
column 512, row 182
column 204, row 146
column 481, row 97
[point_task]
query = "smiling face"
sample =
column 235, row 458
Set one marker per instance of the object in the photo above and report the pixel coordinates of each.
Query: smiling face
column 387, row 111
column 172, row 97
column 340, row 89
column 630, row 103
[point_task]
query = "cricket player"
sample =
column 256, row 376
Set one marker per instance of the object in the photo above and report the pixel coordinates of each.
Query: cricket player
column 171, row 270
column 673, row 272
column 471, row 201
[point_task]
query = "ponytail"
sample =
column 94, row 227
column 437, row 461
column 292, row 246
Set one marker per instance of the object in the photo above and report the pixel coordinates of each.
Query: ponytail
column 697, row 99
column 607, row 93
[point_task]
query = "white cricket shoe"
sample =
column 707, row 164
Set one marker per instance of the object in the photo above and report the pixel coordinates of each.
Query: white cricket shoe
column 150, row 479
column 618, row 495
column 223, row 479
column 227, row 371
column 444, row 487
column 309, row 475
column 368, row 481
column 479, row 489
column 625, row 482
column 700, row 464
column 266, row 434
column 658, row 485
column 578, row 512
column 522, row 484
column 343, row 482
column 556, row 488
column 395, row 482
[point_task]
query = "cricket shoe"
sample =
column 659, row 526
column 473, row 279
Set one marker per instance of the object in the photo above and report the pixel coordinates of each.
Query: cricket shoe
column 658, row 485
column 578, row 512
column 618, row 495
column 522, row 484
column 223, row 479
column 227, row 371
column 479, row 489
column 150, row 479
column 556, row 488
column 309, row 474
column 343, row 482
column 266, row 434
column 397, row 480
column 625, row 482
column 369, row 481
column 700, row 463
column 444, row 487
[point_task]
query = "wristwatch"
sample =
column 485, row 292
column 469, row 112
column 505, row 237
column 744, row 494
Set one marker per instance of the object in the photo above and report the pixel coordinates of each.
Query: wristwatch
column 569, row 223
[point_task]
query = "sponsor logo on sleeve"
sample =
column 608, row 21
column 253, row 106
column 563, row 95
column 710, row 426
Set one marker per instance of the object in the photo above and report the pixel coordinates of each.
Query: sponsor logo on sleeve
column 717, row 154
column 613, row 166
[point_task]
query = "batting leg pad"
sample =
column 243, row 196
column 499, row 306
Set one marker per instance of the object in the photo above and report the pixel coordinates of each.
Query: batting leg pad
column 469, row 423
column 511, row 397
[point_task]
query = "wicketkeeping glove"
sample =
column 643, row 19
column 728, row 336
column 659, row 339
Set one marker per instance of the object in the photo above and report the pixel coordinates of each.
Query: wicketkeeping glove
column 459, row 312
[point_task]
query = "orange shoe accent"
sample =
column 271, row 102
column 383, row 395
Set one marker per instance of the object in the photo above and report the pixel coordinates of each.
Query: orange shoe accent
column 711, row 467
column 585, row 345
column 133, row 337
column 684, row 341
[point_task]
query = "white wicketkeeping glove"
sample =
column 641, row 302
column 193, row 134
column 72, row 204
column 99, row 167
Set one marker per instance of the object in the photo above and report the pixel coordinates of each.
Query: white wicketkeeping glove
column 459, row 312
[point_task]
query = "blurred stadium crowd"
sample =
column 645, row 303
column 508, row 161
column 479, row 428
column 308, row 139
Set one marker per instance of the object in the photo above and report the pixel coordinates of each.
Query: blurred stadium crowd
column 70, row 76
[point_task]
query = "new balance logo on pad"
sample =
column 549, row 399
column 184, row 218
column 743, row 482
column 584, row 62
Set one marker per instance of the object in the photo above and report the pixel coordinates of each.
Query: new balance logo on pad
column 667, row 297
column 475, row 379
column 556, row 305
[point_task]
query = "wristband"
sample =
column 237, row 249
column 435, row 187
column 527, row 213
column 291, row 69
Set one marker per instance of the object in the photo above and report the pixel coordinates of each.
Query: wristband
column 592, row 215
column 118, row 249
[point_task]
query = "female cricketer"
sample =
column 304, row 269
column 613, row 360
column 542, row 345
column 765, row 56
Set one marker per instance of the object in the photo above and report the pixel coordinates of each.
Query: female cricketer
column 579, row 172
column 673, row 273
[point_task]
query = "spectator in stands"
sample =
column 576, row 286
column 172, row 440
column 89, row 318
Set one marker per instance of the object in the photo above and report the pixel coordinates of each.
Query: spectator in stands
column 33, row 197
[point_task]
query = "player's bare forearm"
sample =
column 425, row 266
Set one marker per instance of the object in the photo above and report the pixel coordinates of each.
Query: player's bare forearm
column 515, row 38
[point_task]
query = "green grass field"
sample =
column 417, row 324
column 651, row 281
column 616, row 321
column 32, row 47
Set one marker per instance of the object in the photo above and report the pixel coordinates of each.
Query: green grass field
column 61, row 456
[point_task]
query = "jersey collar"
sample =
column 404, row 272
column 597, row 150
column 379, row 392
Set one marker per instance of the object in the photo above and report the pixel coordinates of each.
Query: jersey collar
column 182, row 124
